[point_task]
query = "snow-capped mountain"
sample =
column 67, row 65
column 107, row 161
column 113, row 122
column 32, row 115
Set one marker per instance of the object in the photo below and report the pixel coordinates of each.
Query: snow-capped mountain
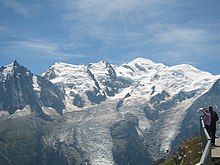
column 163, row 94
column 86, row 85
column 20, row 88
column 110, row 112
column 152, row 78
column 141, row 77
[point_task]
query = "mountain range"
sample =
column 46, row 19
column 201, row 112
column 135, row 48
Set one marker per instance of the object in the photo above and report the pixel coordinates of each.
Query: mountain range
column 100, row 113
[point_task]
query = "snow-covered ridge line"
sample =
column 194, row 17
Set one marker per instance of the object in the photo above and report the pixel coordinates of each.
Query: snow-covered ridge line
column 144, row 75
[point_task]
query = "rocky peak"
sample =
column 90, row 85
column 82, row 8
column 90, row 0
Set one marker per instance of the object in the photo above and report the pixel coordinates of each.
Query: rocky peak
column 19, row 87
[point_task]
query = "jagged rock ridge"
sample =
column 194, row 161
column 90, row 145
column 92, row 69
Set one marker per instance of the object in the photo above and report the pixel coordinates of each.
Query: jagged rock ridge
column 19, row 87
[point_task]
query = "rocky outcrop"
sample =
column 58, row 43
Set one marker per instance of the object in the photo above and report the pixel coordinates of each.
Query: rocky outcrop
column 19, row 87
column 128, row 147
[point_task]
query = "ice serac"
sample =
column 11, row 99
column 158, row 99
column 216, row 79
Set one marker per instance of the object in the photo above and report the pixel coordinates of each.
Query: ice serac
column 20, row 88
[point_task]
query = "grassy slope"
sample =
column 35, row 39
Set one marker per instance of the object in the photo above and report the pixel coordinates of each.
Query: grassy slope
column 189, row 152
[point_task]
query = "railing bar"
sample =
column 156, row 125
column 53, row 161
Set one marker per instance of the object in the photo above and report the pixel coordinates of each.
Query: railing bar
column 206, row 152
column 206, row 145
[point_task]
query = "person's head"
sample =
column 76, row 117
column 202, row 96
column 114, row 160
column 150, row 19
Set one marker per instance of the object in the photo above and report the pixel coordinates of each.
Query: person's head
column 206, row 110
column 210, row 109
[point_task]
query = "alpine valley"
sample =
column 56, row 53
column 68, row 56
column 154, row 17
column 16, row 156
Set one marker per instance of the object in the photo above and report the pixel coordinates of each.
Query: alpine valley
column 100, row 114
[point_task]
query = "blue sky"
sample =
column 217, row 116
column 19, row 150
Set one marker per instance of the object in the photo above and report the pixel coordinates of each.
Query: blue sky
column 40, row 33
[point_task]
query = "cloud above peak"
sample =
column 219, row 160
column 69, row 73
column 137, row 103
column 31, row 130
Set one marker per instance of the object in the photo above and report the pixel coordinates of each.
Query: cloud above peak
column 180, row 35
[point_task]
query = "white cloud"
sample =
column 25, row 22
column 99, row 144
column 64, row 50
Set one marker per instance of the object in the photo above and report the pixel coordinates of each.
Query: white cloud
column 17, row 7
column 102, row 10
column 106, row 8
column 181, row 35
column 110, row 22
column 105, row 12
column 34, row 45
column 177, row 43
column 178, row 35
column 43, row 49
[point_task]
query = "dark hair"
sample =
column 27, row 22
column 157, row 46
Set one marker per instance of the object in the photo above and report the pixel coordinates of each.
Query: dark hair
column 210, row 108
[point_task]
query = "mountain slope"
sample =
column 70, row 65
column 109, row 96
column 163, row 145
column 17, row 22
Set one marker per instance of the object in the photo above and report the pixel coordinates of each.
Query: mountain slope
column 107, row 112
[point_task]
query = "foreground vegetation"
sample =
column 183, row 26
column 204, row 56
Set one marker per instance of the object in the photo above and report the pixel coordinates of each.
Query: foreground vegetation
column 189, row 152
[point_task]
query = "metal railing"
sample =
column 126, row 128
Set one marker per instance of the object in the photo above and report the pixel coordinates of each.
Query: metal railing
column 206, row 145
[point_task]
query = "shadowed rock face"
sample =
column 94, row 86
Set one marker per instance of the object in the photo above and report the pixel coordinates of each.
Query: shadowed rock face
column 51, row 95
column 23, row 141
column 128, row 148
column 18, row 89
